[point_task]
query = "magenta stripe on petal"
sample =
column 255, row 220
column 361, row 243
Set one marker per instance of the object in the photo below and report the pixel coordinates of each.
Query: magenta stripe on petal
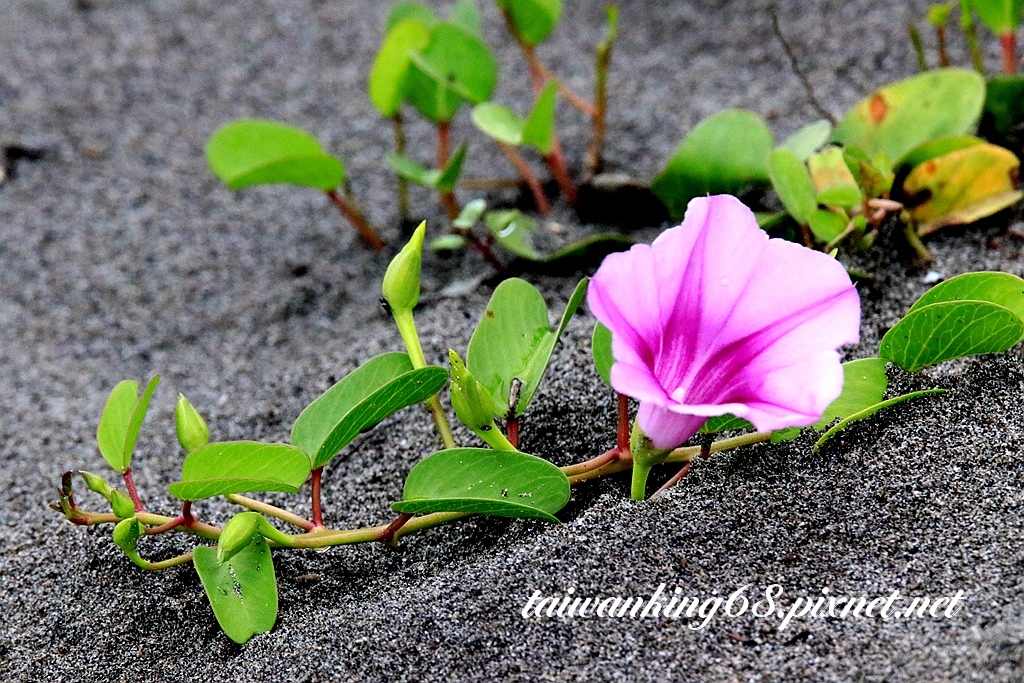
column 714, row 317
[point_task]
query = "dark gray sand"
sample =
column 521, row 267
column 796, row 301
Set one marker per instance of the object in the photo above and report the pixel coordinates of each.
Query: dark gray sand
column 121, row 257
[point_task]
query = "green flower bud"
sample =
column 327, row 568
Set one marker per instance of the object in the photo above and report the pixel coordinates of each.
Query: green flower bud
column 97, row 483
column 242, row 529
column 123, row 506
column 237, row 534
column 401, row 286
column 126, row 536
column 191, row 428
column 474, row 404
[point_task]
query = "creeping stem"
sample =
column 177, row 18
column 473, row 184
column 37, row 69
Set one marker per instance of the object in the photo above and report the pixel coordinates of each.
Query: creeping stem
column 358, row 221
column 610, row 462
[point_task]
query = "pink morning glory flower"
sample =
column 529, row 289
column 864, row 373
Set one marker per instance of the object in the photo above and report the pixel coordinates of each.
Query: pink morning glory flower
column 716, row 318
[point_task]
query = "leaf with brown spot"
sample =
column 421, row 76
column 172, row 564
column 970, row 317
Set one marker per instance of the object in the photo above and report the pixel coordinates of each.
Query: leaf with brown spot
column 962, row 186
column 900, row 116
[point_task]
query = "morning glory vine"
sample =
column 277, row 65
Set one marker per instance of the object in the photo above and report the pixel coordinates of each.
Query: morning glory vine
column 714, row 329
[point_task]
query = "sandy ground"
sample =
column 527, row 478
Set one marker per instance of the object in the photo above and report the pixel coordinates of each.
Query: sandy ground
column 121, row 257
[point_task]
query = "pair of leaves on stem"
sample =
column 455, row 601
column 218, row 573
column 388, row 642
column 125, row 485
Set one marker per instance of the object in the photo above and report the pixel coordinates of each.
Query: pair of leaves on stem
column 434, row 65
column 513, row 342
column 971, row 314
column 905, row 124
column 359, row 401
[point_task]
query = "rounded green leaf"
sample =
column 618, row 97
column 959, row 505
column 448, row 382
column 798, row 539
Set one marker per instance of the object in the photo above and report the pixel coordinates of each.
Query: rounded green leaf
column 951, row 329
column 900, row 116
column 218, row 469
column 998, row 288
column 121, row 420
column 1004, row 103
column 391, row 67
column 499, row 122
column 485, row 482
column 534, row 20
column 722, row 423
column 808, row 139
column 455, row 66
column 792, row 182
column 724, row 153
column 466, row 14
column 403, row 11
column 359, row 401
column 826, row 225
column 1001, row 16
column 258, row 152
column 938, row 147
column 601, row 348
column 864, row 385
column 514, row 340
column 242, row 590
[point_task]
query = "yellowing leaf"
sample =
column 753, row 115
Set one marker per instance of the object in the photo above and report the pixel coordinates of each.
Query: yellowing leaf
column 832, row 178
column 962, row 187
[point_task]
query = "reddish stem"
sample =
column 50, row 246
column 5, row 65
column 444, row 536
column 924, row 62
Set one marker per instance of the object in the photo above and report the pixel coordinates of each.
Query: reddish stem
column 168, row 526
column 448, row 200
column 517, row 160
column 560, row 170
column 674, row 480
column 1009, row 44
column 623, row 426
column 512, row 429
column 483, row 248
column 388, row 535
column 358, row 221
column 186, row 514
column 940, row 35
column 132, row 493
column 317, row 513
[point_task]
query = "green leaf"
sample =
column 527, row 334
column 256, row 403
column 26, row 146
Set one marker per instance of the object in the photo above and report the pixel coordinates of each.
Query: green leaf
column 438, row 179
column 499, row 122
column 952, row 329
column 470, row 214
column 485, row 482
column 724, row 153
column 403, row 11
column 514, row 340
column 1001, row 16
column 868, row 412
column 833, row 179
column 453, row 169
column 1004, row 103
column 218, row 469
column 938, row 147
column 793, row 184
column 121, row 420
column 874, row 177
column 449, row 242
column 826, row 225
column 392, row 65
column 722, row 423
column 257, row 152
column 466, row 15
column 455, row 66
column 962, row 187
column 242, row 590
column 512, row 229
column 601, row 349
column 864, row 384
column 808, row 139
column 359, row 401
column 534, row 20
column 539, row 129
column 900, row 116
column 1003, row 289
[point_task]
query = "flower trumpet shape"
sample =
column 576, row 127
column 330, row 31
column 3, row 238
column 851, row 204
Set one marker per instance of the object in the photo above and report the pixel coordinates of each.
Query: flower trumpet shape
column 716, row 318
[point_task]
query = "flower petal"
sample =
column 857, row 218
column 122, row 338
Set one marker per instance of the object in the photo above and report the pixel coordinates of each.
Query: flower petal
column 665, row 428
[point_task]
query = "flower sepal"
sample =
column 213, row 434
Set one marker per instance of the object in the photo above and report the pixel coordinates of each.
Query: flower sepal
column 645, row 456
